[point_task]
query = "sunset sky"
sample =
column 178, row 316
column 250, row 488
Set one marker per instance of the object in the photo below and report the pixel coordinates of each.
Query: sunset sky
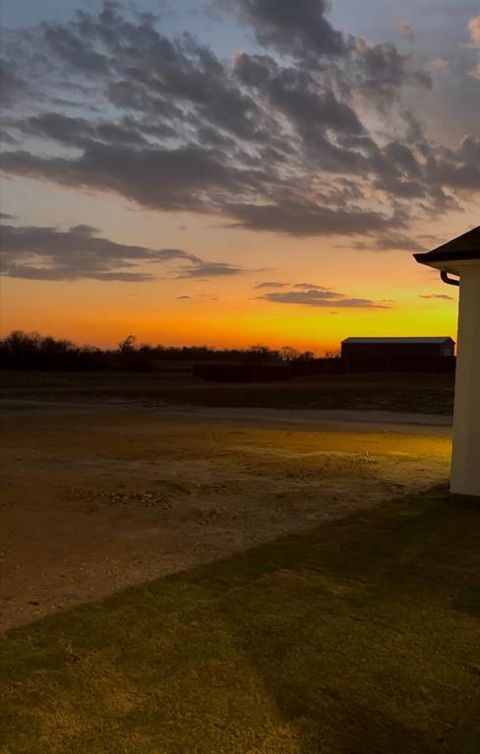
column 235, row 172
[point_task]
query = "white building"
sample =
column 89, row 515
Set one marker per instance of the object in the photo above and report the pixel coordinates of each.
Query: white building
column 461, row 258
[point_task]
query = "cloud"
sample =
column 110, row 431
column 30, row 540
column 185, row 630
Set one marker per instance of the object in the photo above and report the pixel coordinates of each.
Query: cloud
column 63, row 273
column 74, row 48
column 405, row 28
column 474, row 30
column 206, row 270
column 194, row 179
column 442, row 296
column 13, row 86
column 188, row 174
column 299, row 28
column 295, row 93
column 46, row 253
column 311, row 287
column 380, row 71
column 201, row 297
column 270, row 284
column 390, row 243
column 291, row 140
column 438, row 66
column 307, row 219
column 459, row 169
column 319, row 297
column 79, row 132
column 474, row 33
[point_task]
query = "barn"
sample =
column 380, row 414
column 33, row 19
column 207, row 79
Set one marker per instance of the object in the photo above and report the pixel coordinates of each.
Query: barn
column 398, row 354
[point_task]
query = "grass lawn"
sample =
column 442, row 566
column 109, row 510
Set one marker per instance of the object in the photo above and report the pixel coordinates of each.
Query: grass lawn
column 362, row 636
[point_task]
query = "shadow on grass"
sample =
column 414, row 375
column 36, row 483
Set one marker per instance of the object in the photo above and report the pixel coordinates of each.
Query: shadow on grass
column 360, row 637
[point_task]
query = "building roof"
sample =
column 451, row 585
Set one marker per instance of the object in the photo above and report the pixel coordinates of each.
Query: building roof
column 438, row 340
column 464, row 247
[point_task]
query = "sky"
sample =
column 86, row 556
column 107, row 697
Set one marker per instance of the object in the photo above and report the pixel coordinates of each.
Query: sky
column 235, row 172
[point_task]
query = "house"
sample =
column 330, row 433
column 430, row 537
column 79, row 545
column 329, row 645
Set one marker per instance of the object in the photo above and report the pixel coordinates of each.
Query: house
column 398, row 354
column 461, row 257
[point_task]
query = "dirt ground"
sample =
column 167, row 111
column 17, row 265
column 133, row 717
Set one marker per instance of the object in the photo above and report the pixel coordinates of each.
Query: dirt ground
column 96, row 497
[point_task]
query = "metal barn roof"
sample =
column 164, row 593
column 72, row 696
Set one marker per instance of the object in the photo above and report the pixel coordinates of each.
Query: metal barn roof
column 445, row 339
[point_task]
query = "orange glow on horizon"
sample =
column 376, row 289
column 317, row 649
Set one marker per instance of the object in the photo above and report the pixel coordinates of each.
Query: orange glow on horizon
column 235, row 326
column 226, row 311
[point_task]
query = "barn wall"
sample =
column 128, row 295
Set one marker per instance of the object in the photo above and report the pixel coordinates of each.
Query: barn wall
column 396, row 357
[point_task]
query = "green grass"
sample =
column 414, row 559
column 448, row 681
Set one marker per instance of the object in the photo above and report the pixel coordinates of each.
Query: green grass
column 360, row 637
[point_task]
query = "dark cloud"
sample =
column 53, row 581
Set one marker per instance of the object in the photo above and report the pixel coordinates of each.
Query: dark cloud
column 51, row 254
column 183, row 178
column 81, row 133
column 319, row 297
column 13, row 86
column 201, row 297
column 402, row 156
column 307, row 219
column 160, row 68
column 266, row 142
column 390, row 243
column 381, row 70
column 74, row 49
column 296, row 93
column 442, row 296
column 311, row 287
column 63, row 273
column 206, row 270
column 269, row 284
column 297, row 28
column 46, row 253
column 300, row 29
column 387, row 243
column 193, row 178
column 458, row 169
column 58, row 127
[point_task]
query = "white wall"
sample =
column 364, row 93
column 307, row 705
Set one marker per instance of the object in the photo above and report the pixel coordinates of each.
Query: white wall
column 465, row 476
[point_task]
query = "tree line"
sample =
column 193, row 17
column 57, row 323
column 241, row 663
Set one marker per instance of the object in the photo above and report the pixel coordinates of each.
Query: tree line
column 20, row 350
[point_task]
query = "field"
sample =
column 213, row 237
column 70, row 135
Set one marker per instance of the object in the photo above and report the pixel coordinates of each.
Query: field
column 128, row 522
column 97, row 496
column 426, row 393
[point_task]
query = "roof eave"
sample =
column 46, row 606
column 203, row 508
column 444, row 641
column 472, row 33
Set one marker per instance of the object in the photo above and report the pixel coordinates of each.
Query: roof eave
column 455, row 254
column 454, row 265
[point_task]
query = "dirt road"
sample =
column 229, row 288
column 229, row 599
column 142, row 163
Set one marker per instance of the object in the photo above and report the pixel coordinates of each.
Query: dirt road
column 96, row 497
